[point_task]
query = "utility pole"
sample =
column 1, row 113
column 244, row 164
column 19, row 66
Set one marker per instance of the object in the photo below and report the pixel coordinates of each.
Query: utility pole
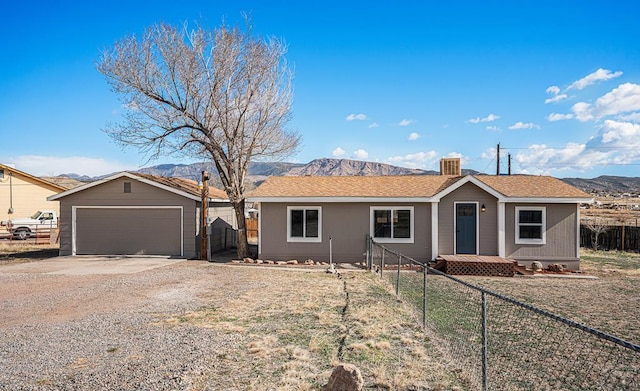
column 509, row 164
column 204, row 243
column 498, row 160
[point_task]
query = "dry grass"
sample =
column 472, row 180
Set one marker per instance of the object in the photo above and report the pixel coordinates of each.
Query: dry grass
column 298, row 325
column 611, row 303
column 25, row 251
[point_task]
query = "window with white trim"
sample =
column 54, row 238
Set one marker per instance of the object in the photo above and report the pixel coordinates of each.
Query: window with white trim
column 531, row 224
column 304, row 224
column 392, row 224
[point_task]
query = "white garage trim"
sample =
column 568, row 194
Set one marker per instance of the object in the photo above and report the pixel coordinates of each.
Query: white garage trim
column 74, row 217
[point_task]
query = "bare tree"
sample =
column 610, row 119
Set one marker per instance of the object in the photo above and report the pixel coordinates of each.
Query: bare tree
column 597, row 226
column 223, row 94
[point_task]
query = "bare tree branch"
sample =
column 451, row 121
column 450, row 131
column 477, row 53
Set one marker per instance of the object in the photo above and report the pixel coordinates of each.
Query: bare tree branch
column 224, row 95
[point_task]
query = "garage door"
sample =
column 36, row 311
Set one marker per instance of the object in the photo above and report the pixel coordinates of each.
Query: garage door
column 130, row 231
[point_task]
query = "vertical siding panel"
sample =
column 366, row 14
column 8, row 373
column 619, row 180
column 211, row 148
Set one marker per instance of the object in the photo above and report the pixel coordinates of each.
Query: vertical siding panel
column 487, row 221
column 347, row 223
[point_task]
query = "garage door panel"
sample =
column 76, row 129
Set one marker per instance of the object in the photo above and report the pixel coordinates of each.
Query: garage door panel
column 128, row 231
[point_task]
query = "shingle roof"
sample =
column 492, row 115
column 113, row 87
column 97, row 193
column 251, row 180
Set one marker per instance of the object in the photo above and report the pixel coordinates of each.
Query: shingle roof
column 514, row 186
column 186, row 185
column 529, row 186
column 353, row 186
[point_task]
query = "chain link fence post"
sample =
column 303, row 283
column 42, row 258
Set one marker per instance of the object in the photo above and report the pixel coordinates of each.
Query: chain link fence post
column 484, row 341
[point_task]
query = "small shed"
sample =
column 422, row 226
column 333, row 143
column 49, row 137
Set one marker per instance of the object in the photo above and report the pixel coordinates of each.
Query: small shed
column 136, row 214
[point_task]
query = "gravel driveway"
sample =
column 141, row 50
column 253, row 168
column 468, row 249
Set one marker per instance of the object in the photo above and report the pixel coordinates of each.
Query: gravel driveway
column 100, row 331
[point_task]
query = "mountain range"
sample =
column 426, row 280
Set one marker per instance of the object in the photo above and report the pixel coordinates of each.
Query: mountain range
column 259, row 171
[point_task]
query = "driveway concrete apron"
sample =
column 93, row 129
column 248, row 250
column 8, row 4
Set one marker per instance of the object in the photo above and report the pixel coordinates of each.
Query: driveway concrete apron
column 89, row 265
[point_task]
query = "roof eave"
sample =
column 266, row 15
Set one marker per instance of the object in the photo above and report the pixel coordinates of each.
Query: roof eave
column 120, row 175
column 338, row 199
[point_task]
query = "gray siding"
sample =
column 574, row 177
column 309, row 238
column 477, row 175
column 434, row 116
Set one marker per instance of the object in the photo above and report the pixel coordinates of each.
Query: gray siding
column 487, row 223
column 347, row 224
column 112, row 194
column 560, row 236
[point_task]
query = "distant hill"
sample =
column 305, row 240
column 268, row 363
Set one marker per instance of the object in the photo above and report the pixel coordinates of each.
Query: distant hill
column 606, row 184
column 259, row 171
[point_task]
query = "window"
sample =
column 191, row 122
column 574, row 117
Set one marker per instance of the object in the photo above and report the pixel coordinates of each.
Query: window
column 392, row 224
column 304, row 224
column 531, row 225
column 127, row 187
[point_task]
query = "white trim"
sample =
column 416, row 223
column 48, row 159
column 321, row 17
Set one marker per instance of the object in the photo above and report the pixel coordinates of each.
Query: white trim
column 310, row 200
column 74, row 216
column 259, row 230
column 578, row 231
column 468, row 179
column 130, row 176
column 502, row 230
column 304, row 239
column 543, row 229
column 434, row 230
column 455, row 222
column 392, row 208
column 549, row 200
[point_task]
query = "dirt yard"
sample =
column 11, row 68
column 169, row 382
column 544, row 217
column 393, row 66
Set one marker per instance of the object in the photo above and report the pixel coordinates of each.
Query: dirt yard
column 610, row 303
column 201, row 326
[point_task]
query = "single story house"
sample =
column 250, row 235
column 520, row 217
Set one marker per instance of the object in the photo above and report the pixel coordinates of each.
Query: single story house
column 518, row 217
column 137, row 214
column 22, row 194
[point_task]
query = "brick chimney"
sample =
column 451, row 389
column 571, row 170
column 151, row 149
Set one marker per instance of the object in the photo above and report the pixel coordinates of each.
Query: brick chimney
column 450, row 166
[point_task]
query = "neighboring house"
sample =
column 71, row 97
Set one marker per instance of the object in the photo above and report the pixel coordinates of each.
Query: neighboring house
column 137, row 214
column 519, row 217
column 22, row 194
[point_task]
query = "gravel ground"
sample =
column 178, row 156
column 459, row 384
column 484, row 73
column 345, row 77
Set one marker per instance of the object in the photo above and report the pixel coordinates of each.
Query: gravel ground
column 101, row 332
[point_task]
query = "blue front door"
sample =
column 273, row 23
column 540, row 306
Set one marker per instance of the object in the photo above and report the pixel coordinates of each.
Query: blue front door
column 466, row 228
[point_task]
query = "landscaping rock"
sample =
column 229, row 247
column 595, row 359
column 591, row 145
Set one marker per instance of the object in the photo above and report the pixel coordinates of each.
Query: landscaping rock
column 259, row 261
column 236, row 261
column 269, row 262
column 292, row 262
column 281, row 262
column 345, row 377
column 248, row 260
column 536, row 266
column 309, row 262
column 556, row 267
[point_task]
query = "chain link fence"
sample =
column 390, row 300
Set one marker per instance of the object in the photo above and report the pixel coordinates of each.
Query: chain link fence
column 504, row 344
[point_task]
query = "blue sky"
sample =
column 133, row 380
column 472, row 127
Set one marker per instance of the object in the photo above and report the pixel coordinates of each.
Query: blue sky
column 556, row 83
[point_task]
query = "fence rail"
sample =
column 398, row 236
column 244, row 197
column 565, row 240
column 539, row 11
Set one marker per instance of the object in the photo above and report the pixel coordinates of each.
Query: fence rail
column 504, row 344
column 612, row 238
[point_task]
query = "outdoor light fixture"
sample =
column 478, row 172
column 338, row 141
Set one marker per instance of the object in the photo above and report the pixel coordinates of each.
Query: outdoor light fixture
column 483, row 208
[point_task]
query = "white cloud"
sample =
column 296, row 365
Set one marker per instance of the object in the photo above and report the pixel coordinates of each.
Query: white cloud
column 558, row 117
column 622, row 99
column 556, row 98
column 493, row 128
column 414, row 160
column 553, row 90
column 54, row 165
column 599, row 75
column 338, row 152
column 373, row 125
column 360, row 154
column 353, row 117
column 413, row 136
column 406, row 122
column 522, row 125
column 617, row 142
column 488, row 118
column 633, row 117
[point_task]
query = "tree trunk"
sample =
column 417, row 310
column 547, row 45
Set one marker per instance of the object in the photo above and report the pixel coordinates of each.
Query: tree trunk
column 243, row 244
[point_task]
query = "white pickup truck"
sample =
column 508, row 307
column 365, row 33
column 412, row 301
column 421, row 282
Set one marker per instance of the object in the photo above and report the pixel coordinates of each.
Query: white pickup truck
column 43, row 221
